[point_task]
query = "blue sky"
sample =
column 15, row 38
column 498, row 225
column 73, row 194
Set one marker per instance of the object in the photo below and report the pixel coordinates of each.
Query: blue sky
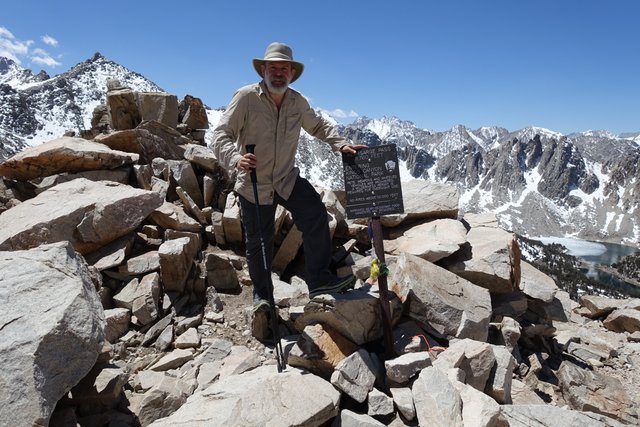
column 566, row 65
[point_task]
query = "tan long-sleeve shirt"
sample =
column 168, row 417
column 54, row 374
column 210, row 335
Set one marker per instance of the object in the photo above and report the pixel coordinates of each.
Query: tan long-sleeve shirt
column 253, row 118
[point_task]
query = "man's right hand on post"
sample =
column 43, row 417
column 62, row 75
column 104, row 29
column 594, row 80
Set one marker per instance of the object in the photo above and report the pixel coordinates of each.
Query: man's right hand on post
column 247, row 162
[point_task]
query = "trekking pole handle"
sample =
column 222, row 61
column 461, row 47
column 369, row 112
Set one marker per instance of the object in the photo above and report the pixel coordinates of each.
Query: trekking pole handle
column 251, row 149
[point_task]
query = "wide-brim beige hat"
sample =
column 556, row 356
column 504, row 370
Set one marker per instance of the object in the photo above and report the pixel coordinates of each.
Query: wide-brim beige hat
column 279, row 52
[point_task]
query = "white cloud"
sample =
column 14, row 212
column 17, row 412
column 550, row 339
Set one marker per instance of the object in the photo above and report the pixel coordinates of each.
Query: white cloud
column 5, row 33
column 47, row 39
column 341, row 114
column 43, row 58
column 18, row 50
column 12, row 48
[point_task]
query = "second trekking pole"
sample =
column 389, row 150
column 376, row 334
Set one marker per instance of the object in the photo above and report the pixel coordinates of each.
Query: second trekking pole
column 272, row 306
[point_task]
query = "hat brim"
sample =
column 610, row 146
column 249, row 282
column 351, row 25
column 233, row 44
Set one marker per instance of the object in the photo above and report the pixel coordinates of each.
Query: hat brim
column 298, row 66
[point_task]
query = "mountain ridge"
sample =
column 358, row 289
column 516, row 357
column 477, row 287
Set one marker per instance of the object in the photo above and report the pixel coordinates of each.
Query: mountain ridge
column 585, row 184
column 35, row 110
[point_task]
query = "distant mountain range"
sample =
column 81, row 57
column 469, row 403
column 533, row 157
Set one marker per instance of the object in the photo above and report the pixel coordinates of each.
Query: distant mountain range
column 539, row 182
column 37, row 108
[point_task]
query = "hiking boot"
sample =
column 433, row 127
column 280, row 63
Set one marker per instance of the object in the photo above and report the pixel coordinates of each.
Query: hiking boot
column 339, row 285
column 261, row 323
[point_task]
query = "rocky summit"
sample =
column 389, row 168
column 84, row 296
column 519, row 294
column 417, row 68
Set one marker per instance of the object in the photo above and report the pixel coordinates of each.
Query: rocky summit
column 538, row 182
column 125, row 300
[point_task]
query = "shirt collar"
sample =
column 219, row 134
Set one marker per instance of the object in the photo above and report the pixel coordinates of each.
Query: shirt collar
column 262, row 88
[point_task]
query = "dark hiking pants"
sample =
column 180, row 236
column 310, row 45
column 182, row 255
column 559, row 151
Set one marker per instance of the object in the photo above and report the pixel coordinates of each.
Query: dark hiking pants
column 310, row 217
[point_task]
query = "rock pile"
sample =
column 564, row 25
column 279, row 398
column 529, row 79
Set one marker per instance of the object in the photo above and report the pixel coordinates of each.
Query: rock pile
column 124, row 296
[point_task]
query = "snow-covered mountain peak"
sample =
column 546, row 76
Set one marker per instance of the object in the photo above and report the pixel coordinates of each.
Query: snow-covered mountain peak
column 458, row 128
column 6, row 65
column 600, row 134
column 387, row 126
column 530, row 132
column 38, row 108
column 491, row 133
column 12, row 74
column 631, row 136
column 101, row 68
column 452, row 139
column 327, row 116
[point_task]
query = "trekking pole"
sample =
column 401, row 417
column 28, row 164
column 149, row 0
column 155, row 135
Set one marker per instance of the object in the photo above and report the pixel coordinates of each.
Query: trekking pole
column 272, row 305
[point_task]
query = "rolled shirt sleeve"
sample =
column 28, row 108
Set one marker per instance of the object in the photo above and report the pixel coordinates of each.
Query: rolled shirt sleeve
column 226, row 135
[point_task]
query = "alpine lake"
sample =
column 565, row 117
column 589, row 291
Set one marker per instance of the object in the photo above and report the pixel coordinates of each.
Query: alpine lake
column 597, row 258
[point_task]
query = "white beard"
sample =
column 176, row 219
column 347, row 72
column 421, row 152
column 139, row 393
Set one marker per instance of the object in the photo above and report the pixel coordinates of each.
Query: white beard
column 278, row 90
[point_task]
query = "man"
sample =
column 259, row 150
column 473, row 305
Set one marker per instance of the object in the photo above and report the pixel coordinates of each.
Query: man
column 270, row 115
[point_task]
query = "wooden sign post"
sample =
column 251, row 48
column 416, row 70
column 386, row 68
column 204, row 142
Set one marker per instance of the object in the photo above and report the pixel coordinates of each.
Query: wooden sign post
column 372, row 184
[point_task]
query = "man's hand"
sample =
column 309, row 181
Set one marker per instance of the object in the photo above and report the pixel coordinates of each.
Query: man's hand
column 247, row 162
column 352, row 149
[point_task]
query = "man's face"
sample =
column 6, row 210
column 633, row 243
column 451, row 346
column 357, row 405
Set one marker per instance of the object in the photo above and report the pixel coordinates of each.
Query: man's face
column 278, row 75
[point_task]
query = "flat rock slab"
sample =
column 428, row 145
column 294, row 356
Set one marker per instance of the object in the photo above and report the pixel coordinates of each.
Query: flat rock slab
column 601, row 306
column 93, row 214
column 142, row 142
column 586, row 390
column 552, row 416
column 431, row 241
column 64, row 154
column 260, row 397
column 625, row 320
column 425, row 199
